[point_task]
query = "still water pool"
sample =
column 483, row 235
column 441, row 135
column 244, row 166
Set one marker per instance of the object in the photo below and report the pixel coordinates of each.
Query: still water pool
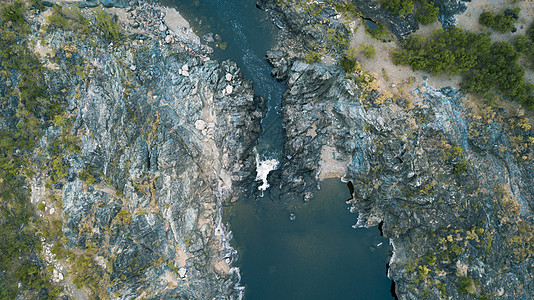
column 318, row 255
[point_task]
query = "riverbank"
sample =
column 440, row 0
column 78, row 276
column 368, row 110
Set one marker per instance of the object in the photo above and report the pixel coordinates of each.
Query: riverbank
column 426, row 165
column 137, row 208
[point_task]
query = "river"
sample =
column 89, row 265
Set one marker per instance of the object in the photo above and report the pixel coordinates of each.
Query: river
column 318, row 255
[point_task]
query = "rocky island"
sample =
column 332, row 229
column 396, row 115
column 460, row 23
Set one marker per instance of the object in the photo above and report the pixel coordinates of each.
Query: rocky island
column 121, row 141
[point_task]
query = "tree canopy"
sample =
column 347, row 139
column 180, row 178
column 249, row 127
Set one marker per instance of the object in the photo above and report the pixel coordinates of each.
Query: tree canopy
column 487, row 67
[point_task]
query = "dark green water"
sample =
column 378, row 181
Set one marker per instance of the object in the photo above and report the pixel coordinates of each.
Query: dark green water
column 318, row 255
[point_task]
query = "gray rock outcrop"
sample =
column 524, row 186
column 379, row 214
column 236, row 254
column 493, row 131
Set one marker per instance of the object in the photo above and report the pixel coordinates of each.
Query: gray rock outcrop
column 166, row 138
column 450, row 186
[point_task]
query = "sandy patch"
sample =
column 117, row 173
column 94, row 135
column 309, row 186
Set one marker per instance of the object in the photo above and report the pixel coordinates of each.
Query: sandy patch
column 182, row 256
column 399, row 78
column 312, row 131
column 390, row 76
column 106, row 189
column 42, row 50
column 330, row 166
column 222, row 267
column 170, row 278
column 469, row 21
column 174, row 20
column 201, row 222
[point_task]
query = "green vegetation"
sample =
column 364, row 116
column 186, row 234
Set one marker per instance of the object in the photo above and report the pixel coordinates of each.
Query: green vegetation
column 13, row 13
column 68, row 18
column 312, row 57
column 107, row 25
column 427, row 13
column 25, row 93
column 399, row 7
column 86, row 176
column 522, row 241
column 460, row 167
column 124, row 217
column 425, row 10
column 488, row 68
column 522, row 44
column 466, row 285
column 368, row 50
column 530, row 32
column 348, row 64
column 88, row 274
column 348, row 7
column 503, row 22
column 71, row 18
column 378, row 33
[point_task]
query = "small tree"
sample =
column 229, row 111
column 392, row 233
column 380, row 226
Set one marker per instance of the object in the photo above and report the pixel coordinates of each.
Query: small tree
column 368, row 50
column 428, row 13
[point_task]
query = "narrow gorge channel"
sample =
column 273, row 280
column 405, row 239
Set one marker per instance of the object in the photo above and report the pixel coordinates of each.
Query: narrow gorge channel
column 317, row 255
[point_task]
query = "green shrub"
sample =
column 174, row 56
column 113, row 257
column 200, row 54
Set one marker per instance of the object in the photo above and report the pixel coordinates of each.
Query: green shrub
column 486, row 67
column 428, row 13
column 430, row 259
column 59, row 168
column 461, row 167
column 368, row 50
column 486, row 18
column 13, row 12
column 107, row 25
column 348, row 7
column 312, row 57
column 68, row 18
column 377, row 33
column 530, row 32
column 466, row 285
column 88, row 274
column 457, row 249
column 503, row 22
column 37, row 4
column 399, row 7
column 348, row 64
column 522, row 44
column 124, row 217
column 423, row 271
column 87, row 177
column 57, row 19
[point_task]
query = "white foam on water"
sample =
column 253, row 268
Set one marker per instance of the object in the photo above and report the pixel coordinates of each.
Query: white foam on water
column 263, row 168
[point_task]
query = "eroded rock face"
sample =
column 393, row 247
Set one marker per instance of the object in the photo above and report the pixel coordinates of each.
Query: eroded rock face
column 280, row 62
column 318, row 24
column 166, row 136
column 447, row 182
column 400, row 26
column 448, row 9
column 305, row 25
column 313, row 97
column 447, row 179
